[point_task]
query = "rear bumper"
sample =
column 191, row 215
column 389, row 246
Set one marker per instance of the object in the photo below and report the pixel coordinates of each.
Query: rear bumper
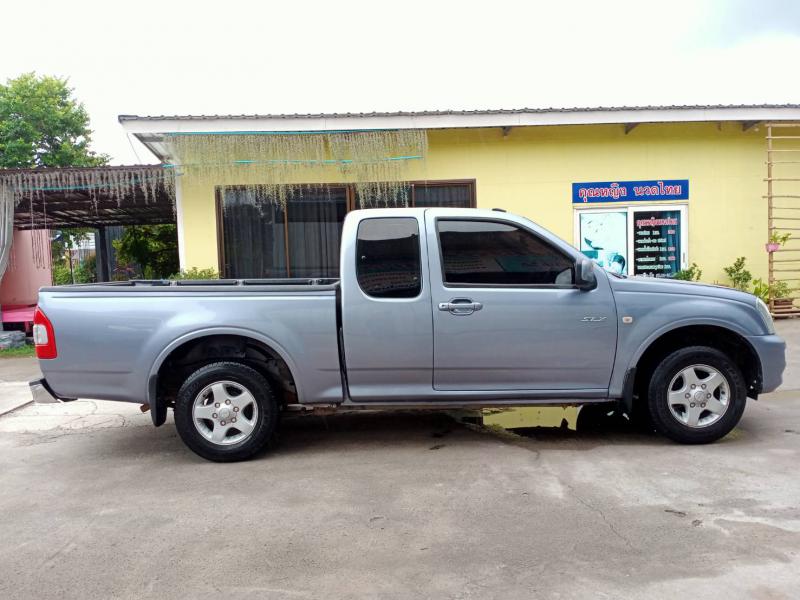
column 771, row 350
column 43, row 394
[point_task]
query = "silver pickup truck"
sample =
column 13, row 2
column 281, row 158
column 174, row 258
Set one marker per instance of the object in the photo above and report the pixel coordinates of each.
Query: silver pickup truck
column 435, row 308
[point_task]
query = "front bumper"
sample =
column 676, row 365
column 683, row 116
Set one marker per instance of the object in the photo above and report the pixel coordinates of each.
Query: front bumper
column 42, row 394
column 771, row 350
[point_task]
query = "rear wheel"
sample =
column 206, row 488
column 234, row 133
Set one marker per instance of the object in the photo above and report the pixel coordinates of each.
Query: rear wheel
column 226, row 412
column 696, row 395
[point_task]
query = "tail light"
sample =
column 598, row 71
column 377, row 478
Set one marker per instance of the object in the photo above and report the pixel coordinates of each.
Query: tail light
column 44, row 338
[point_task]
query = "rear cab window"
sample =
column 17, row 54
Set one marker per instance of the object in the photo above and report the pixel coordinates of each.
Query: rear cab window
column 388, row 261
column 493, row 253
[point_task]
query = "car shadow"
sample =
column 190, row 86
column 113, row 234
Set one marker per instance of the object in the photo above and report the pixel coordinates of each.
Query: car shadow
column 420, row 430
column 437, row 430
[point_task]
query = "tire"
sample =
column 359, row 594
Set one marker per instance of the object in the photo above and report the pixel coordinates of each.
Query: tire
column 226, row 412
column 696, row 395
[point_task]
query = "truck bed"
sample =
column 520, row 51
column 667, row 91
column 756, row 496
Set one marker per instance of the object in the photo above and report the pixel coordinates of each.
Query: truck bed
column 113, row 337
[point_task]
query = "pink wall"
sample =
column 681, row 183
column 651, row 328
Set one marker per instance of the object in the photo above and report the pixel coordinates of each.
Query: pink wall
column 23, row 278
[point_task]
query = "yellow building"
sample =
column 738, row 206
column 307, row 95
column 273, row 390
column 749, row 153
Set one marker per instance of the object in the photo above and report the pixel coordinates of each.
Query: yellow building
column 642, row 190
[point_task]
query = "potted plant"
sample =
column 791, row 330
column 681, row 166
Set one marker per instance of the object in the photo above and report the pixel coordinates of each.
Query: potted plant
column 781, row 293
column 776, row 240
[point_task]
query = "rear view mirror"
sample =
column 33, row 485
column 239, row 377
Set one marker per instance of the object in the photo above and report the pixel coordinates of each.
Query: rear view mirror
column 585, row 278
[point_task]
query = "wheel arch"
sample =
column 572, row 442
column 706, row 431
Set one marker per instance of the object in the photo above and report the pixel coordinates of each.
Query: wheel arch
column 727, row 339
column 190, row 348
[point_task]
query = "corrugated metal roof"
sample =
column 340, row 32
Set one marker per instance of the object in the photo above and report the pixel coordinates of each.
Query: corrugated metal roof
column 434, row 113
column 38, row 170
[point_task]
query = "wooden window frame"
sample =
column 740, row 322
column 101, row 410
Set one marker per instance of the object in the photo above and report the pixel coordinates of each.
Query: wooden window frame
column 350, row 205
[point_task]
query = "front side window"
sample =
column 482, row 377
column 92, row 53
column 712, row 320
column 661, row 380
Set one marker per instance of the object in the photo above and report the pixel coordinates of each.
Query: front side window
column 476, row 252
column 387, row 257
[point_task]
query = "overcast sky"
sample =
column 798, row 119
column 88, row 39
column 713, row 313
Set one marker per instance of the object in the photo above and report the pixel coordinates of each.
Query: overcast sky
column 199, row 57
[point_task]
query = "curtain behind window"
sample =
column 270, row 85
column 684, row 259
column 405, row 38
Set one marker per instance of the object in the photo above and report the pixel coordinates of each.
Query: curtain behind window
column 254, row 228
column 453, row 195
column 315, row 232
column 253, row 233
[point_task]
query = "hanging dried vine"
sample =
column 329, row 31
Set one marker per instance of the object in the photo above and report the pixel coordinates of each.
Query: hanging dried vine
column 98, row 182
column 272, row 167
column 279, row 165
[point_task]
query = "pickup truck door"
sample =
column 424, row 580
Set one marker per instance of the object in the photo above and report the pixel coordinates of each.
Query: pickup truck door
column 386, row 308
column 506, row 312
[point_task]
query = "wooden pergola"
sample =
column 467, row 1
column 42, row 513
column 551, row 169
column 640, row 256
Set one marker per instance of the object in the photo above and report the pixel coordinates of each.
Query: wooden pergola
column 94, row 197
column 59, row 207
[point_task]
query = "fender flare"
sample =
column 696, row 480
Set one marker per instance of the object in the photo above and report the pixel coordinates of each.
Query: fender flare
column 158, row 410
column 687, row 322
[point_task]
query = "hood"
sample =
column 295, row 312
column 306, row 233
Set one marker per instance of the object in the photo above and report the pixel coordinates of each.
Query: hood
column 653, row 285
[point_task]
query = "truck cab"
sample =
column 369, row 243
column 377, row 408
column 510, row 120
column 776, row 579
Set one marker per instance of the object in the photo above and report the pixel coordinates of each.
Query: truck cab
column 476, row 304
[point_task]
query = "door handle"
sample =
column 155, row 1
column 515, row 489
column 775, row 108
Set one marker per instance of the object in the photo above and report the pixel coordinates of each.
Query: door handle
column 460, row 306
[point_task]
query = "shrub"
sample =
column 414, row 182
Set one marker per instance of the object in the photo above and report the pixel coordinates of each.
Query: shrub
column 693, row 273
column 153, row 248
column 61, row 274
column 86, row 271
column 740, row 277
column 195, row 273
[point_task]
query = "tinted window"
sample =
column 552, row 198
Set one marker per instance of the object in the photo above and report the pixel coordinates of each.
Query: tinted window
column 487, row 252
column 387, row 257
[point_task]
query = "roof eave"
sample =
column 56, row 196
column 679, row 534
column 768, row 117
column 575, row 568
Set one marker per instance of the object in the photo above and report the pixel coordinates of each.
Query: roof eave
column 150, row 130
column 457, row 119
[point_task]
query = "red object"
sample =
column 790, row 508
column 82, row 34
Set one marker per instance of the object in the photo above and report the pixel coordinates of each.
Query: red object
column 44, row 338
column 18, row 313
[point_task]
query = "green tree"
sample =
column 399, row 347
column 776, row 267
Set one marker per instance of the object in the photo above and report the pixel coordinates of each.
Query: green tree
column 153, row 248
column 61, row 246
column 43, row 125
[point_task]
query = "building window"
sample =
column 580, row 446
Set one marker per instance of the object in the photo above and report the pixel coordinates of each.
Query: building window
column 387, row 258
column 478, row 252
column 443, row 195
column 635, row 240
column 254, row 235
column 259, row 239
column 314, row 228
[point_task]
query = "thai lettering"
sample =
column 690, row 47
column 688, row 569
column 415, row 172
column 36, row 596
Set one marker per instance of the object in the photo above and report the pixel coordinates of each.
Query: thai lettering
column 614, row 190
column 630, row 191
column 658, row 190
column 653, row 222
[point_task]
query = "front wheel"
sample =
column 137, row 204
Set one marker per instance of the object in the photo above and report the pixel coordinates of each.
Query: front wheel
column 696, row 395
column 226, row 412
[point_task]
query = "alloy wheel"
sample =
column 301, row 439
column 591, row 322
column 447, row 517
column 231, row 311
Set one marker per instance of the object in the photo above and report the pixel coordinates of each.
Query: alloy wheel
column 225, row 413
column 698, row 396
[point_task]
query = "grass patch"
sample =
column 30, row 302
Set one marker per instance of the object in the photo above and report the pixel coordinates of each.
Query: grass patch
column 24, row 352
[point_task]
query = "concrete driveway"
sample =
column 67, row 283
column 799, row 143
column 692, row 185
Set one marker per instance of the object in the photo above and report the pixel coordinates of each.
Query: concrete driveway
column 96, row 503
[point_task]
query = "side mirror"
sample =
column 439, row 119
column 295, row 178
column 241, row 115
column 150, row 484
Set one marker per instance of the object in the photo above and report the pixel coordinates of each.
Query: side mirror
column 585, row 278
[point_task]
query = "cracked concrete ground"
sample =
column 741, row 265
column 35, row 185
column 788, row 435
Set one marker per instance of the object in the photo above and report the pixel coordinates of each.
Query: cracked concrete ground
column 96, row 503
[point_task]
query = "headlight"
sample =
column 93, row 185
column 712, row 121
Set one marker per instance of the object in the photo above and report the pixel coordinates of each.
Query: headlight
column 763, row 310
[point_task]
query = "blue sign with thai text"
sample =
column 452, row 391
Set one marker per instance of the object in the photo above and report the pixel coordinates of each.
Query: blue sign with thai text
column 630, row 191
